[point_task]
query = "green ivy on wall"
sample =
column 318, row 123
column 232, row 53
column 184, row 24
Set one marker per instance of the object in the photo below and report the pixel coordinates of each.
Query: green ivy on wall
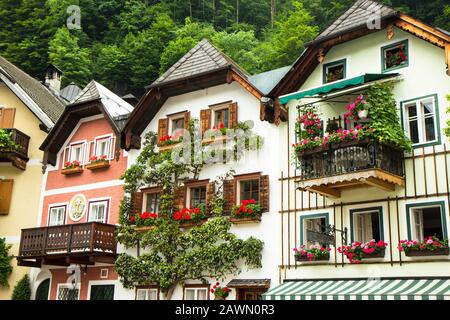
column 447, row 130
column 5, row 263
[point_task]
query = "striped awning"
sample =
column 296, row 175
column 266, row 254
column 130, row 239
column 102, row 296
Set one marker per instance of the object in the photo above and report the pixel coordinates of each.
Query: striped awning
column 362, row 289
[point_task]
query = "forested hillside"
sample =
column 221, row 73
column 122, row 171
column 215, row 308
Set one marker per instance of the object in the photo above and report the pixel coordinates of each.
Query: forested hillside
column 126, row 44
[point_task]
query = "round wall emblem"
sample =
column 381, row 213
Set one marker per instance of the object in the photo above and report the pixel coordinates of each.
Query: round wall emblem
column 77, row 207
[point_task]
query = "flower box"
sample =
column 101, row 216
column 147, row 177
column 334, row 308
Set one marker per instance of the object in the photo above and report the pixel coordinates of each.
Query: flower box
column 69, row 171
column 304, row 258
column 167, row 147
column 427, row 253
column 306, row 152
column 215, row 140
column 99, row 164
column 191, row 224
column 143, row 229
column 246, row 220
column 374, row 255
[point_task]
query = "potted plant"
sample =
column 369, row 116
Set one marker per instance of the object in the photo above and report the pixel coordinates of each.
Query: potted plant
column 191, row 217
column 96, row 162
column 431, row 246
column 72, row 167
column 358, row 251
column 313, row 253
column 248, row 211
column 220, row 293
column 144, row 221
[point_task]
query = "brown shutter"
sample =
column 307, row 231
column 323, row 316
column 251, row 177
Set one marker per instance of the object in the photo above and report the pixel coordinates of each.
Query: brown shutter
column 137, row 200
column 179, row 198
column 187, row 118
column 205, row 120
column 229, row 195
column 210, row 189
column 7, row 117
column 6, row 187
column 264, row 194
column 233, row 114
column 163, row 128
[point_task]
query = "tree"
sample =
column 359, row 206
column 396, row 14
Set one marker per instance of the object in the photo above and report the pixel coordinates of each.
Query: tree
column 5, row 263
column 22, row 290
column 70, row 58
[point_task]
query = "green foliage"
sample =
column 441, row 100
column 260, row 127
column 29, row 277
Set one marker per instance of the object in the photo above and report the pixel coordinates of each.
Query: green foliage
column 447, row 129
column 384, row 120
column 5, row 263
column 22, row 290
column 5, row 140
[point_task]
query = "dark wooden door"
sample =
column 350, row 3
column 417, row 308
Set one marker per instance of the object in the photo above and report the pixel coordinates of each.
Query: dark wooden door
column 42, row 290
column 102, row 292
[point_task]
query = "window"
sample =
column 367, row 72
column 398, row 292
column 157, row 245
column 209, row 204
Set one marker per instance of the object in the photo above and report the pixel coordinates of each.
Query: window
column 421, row 119
column 152, row 202
column 334, row 71
column 102, row 292
column 68, row 292
column 57, row 216
column 98, row 211
column 395, row 56
column 222, row 116
column 147, row 294
column 197, row 196
column 102, row 147
column 366, row 224
column 196, row 293
column 249, row 189
column 77, row 152
column 249, row 294
column 104, row 273
column 312, row 224
column 427, row 221
column 177, row 124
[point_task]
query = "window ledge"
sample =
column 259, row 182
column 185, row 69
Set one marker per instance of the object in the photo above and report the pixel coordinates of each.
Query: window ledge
column 76, row 170
column 245, row 220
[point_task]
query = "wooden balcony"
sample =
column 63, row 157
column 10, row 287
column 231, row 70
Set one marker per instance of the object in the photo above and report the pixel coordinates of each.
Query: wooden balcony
column 350, row 165
column 17, row 156
column 84, row 243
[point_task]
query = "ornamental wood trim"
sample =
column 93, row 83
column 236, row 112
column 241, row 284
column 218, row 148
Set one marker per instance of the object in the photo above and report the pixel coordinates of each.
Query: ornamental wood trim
column 246, row 85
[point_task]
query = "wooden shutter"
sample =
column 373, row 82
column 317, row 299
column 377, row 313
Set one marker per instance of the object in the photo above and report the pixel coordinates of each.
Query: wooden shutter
column 205, row 120
column 7, row 117
column 6, row 187
column 179, row 198
column 210, row 189
column 137, row 199
column 163, row 128
column 233, row 114
column 264, row 195
column 187, row 118
column 229, row 195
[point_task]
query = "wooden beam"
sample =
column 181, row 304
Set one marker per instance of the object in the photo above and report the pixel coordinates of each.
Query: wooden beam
column 27, row 263
column 326, row 191
column 429, row 30
column 388, row 186
column 447, row 57
column 423, row 33
column 247, row 86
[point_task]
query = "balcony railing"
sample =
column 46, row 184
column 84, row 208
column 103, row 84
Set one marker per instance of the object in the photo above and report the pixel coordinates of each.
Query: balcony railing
column 351, row 157
column 63, row 245
column 18, row 155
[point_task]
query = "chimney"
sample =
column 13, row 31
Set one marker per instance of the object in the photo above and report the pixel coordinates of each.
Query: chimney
column 53, row 78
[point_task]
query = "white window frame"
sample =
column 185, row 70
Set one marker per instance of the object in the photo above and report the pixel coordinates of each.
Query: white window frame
column 421, row 118
column 94, row 202
column 196, row 290
column 57, row 206
column 67, row 155
column 362, row 225
column 147, row 294
column 110, row 148
column 70, row 286
column 419, row 224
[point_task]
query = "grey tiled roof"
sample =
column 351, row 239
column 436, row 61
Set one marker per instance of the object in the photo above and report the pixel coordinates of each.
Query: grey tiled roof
column 266, row 81
column 204, row 57
column 46, row 101
column 70, row 92
column 358, row 15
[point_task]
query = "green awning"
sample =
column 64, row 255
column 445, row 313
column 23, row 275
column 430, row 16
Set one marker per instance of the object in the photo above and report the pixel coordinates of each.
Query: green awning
column 362, row 289
column 338, row 85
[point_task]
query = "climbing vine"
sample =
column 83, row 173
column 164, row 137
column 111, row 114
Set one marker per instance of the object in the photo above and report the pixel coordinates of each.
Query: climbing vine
column 447, row 129
column 171, row 255
column 5, row 263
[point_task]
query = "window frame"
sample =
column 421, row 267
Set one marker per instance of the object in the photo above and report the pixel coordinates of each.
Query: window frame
column 174, row 118
column 383, row 49
column 335, row 63
column 146, row 192
column 304, row 217
column 197, row 287
column 354, row 212
column 109, row 139
column 147, row 288
column 189, row 194
column 69, row 286
column 422, row 205
column 57, row 206
column 238, row 179
column 437, row 125
column 73, row 145
column 92, row 202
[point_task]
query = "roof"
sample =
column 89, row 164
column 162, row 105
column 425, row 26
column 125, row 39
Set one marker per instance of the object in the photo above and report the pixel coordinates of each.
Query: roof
column 357, row 16
column 266, row 81
column 202, row 58
column 249, row 283
column 36, row 91
column 70, row 92
column 114, row 105
column 431, row 288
